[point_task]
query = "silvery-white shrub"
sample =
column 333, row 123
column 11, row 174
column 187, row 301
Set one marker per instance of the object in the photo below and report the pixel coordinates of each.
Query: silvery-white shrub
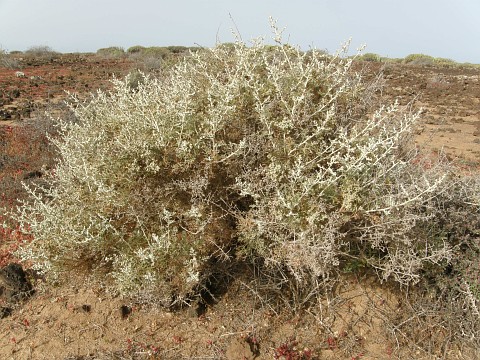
column 255, row 152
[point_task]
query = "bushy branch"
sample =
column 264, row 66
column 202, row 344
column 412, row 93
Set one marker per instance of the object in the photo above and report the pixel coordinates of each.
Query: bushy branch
column 248, row 151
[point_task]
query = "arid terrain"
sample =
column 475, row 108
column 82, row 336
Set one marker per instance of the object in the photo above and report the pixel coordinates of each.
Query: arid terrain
column 360, row 318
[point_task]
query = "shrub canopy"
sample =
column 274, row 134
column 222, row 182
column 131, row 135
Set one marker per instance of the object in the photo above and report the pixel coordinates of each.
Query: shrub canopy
column 247, row 152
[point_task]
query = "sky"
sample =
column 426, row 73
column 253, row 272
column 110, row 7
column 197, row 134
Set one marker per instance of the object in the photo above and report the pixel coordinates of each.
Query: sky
column 392, row 28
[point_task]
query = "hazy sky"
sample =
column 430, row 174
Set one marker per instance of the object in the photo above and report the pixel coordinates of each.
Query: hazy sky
column 394, row 28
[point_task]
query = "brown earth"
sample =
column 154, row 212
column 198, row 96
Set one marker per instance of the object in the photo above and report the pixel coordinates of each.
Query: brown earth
column 450, row 99
column 358, row 319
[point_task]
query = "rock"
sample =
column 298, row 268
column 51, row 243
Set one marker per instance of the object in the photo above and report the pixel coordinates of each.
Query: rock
column 5, row 311
column 14, row 285
column 32, row 174
column 125, row 311
column 4, row 115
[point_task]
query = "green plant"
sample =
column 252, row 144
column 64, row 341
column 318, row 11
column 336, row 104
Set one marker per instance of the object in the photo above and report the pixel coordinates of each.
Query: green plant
column 370, row 57
column 134, row 79
column 445, row 62
column 135, row 49
column 258, row 153
column 111, row 52
column 151, row 58
column 177, row 49
column 419, row 59
column 156, row 51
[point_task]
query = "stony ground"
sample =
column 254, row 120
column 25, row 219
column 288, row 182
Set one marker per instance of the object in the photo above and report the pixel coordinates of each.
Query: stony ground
column 358, row 319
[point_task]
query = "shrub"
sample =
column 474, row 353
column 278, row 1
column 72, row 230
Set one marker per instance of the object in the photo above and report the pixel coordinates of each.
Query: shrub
column 370, row 57
column 135, row 78
column 419, row 59
column 7, row 60
column 156, row 51
column 445, row 62
column 41, row 52
column 111, row 52
column 158, row 58
column 266, row 154
column 177, row 49
column 135, row 49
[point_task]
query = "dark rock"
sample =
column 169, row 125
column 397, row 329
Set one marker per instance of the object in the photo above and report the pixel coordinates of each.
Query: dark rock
column 14, row 285
column 125, row 311
column 4, row 115
column 33, row 174
column 5, row 311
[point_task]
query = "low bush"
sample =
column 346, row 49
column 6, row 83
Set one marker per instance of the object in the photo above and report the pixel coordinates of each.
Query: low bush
column 135, row 49
column 259, row 154
column 41, row 52
column 8, row 61
column 370, row 57
column 177, row 49
column 156, row 51
column 419, row 59
column 154, row 58
column 111, row 52
column 445, row 62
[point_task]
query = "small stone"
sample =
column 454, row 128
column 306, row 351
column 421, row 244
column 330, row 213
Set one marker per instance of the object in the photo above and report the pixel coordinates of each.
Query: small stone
column 5, row 311
column 14, row 285
column 125, row 311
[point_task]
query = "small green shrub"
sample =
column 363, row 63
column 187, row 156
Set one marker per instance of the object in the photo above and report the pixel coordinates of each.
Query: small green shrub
column 111, row 52
column 370, row 57
column 134, row 79
column 177, row 49
column 445, row 62
column 156, row 51
column 135, row 49
column 264, row 154
column 158, row 58
column 419, row 59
